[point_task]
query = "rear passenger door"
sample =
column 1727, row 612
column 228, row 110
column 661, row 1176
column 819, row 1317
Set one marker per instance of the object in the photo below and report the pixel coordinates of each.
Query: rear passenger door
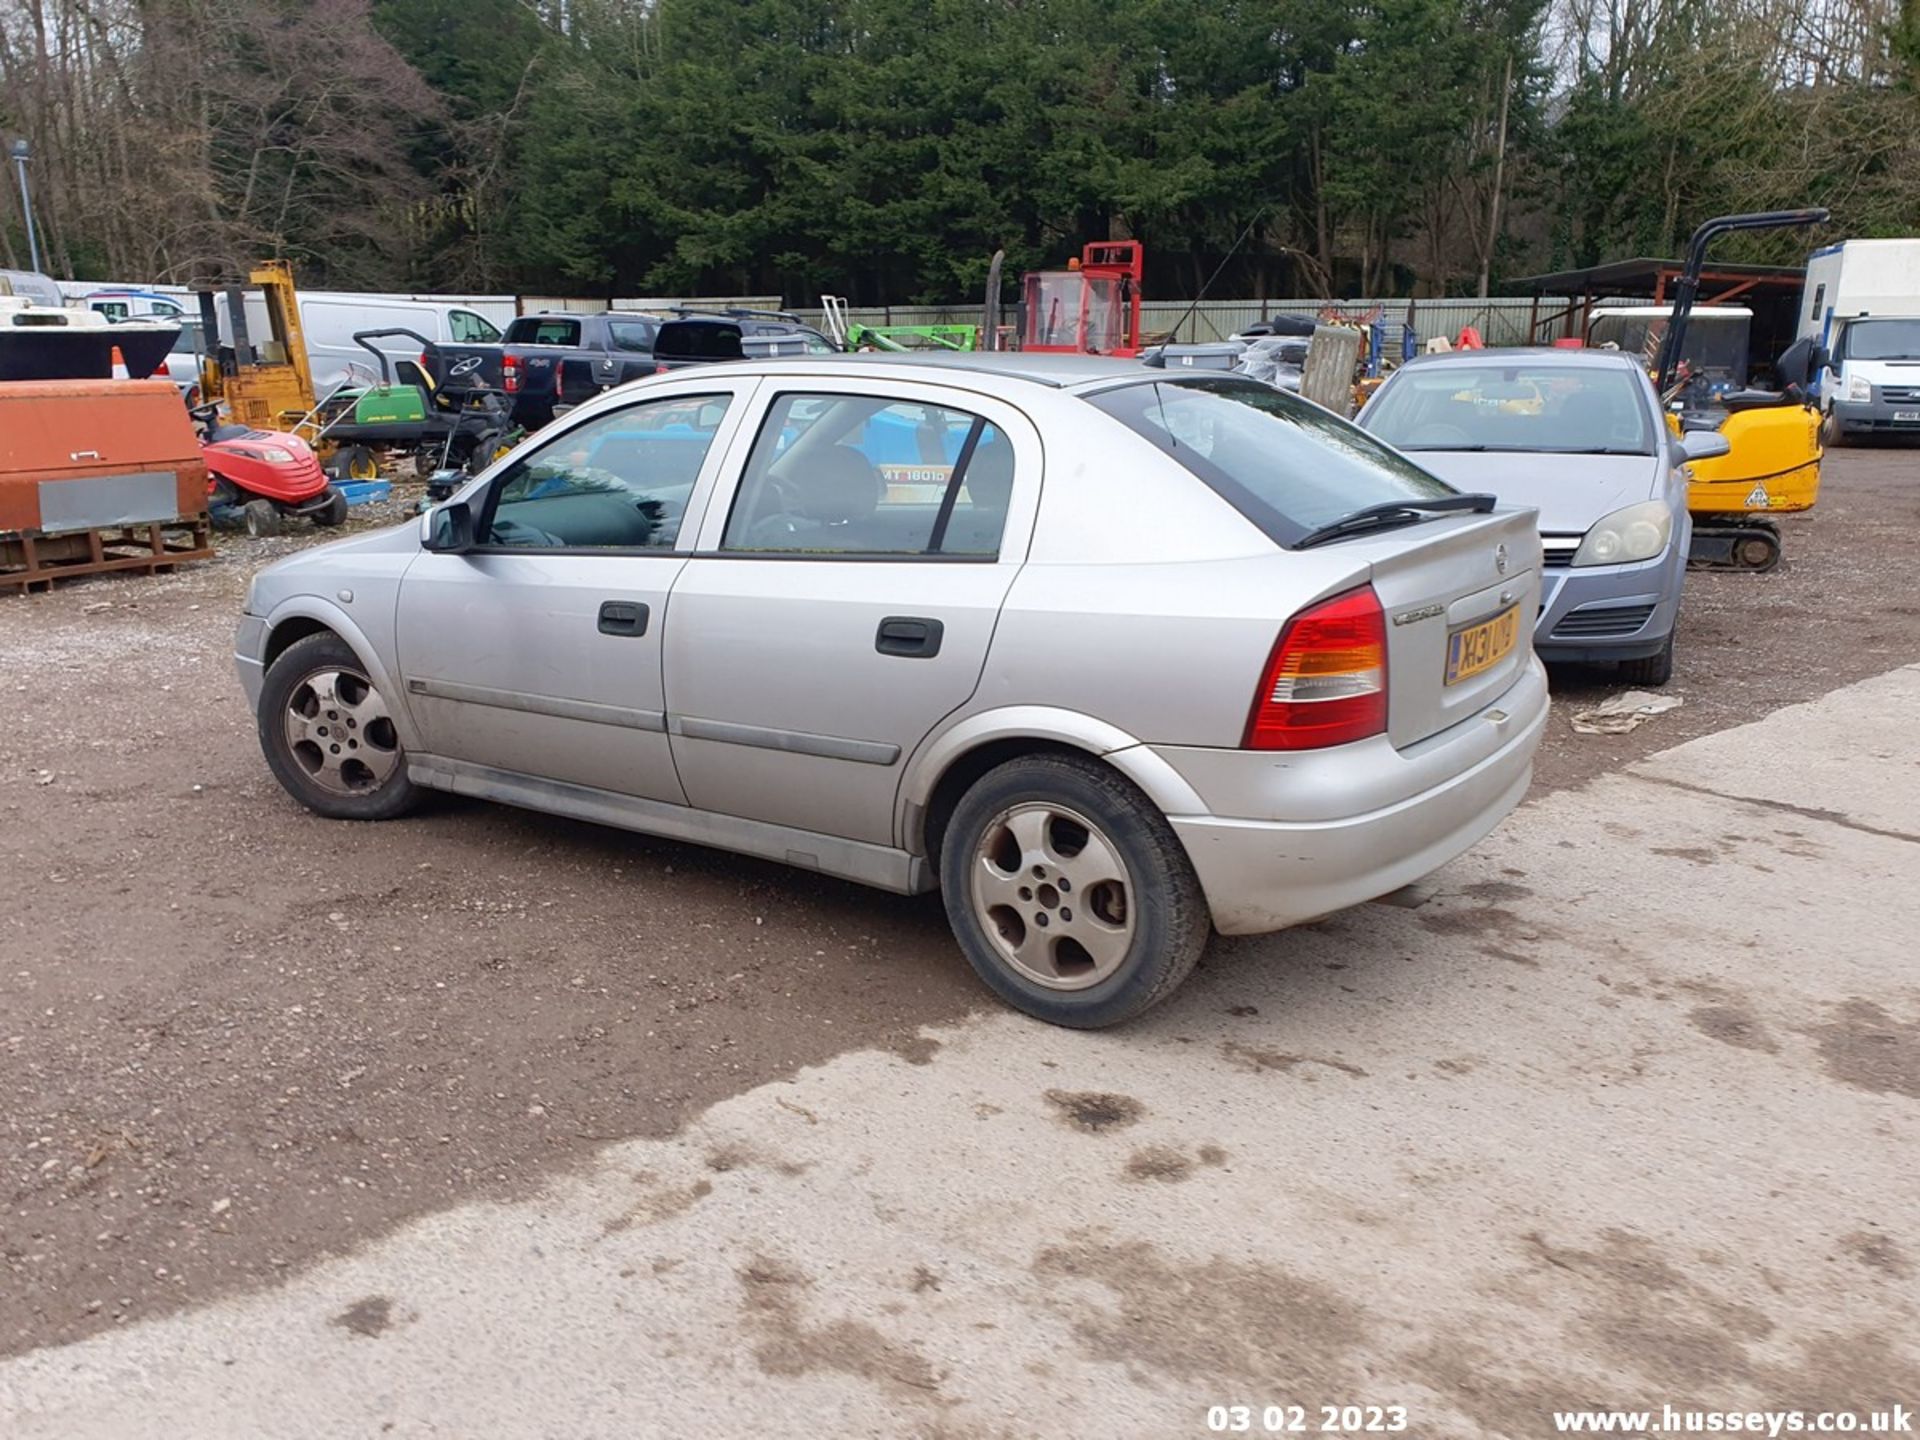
column 843, row 596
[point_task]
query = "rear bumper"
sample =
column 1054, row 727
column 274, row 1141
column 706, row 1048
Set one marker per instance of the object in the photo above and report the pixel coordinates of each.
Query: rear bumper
column 1436, row 799
column 1875, row 416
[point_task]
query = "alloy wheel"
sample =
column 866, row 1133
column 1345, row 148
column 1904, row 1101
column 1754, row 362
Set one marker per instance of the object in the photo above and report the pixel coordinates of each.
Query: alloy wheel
column 1053, row 895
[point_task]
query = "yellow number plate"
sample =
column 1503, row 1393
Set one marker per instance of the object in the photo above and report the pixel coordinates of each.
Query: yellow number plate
column 1481, row 646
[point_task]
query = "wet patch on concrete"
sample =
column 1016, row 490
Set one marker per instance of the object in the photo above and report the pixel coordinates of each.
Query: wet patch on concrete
column 1694, row 854
column 1496, row 892
column 370, row 1317
column 1204, row 1321
column 1512, row 957
column 772, row 1303
column 1095, row 1111
column 1879, row 1251
column 1158, row 1162
column 917, row 1049
column 1733, row 1025
column 1643, row 1315
column 658, row 1203
column 1256, row 1061
column 1865, row 1047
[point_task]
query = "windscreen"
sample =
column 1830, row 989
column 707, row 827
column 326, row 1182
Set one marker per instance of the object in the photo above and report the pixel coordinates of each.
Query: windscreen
column 1286, row 464
column 1883, row 340
column 1549, row 409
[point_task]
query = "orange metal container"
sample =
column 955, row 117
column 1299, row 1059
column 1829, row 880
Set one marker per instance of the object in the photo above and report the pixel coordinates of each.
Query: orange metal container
column 79, row 455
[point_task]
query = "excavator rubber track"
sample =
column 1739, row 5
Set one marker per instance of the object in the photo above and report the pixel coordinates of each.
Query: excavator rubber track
column 1734, row 542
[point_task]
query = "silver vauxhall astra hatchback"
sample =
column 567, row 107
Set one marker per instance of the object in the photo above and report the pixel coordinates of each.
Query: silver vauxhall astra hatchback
column 1113, row 657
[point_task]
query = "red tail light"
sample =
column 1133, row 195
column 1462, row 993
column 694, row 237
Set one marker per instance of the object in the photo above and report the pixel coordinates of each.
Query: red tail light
column 160, row 372
column 1326, row 682
column 659, row 369
column 510, row 375
column 425, row 368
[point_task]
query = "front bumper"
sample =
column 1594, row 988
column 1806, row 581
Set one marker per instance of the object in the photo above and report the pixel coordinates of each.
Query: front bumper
column 1598, row 613
column 249, row 651
column 1876, row 416
column 1425, row 805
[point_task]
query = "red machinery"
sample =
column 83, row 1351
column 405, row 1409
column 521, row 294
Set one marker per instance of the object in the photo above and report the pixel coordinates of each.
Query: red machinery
column 260, row 477
column 1090, row 308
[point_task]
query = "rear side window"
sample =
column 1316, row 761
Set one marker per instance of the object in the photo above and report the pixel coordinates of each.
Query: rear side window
column 859, row 475
column 634, row 336
column 543, row 330
column 1283, row 462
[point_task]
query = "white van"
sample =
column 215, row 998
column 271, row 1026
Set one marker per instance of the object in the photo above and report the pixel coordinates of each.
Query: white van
column 1862, row 303
column 127, row 304
column 330, row 320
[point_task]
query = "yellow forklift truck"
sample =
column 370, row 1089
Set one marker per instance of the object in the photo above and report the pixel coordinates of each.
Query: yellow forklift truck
column 1773, row 464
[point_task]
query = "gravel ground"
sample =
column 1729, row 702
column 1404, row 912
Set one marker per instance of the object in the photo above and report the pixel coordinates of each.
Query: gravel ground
column 235, row 1038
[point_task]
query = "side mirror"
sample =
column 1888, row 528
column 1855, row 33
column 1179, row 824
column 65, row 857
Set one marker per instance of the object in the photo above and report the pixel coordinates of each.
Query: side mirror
column 1704, row 445
column 1822, row 359
column 449, row 530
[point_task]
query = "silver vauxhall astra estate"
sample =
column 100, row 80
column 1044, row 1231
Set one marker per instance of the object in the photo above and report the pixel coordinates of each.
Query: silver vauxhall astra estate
column 1112, row 656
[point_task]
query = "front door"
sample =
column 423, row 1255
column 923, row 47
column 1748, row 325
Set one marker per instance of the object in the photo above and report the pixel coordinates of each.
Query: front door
column 538, row 652
column 842, row 603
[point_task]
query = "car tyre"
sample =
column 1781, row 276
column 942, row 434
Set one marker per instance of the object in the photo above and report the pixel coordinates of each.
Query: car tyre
column 1069, row 893
column 328, row 735
column 1833, row 435
column 1652, row 670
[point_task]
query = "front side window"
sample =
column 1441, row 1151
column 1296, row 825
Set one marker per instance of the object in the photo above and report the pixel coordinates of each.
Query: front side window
column 114, row 310
column 862, row 475
column 1539, row 408
column 621, row 481
column 468, row 328
column 1285, row 463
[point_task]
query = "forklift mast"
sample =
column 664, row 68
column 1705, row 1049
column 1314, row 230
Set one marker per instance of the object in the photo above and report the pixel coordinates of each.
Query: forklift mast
column 265, row 381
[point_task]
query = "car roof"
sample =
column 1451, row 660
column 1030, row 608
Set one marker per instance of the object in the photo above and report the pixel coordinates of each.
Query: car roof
column 1528, row 355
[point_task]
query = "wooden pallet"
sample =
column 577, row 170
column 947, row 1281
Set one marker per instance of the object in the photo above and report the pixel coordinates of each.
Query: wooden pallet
column 29, row 560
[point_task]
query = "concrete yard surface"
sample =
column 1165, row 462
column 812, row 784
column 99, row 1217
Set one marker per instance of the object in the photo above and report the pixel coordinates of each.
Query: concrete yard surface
column 1627, row 1113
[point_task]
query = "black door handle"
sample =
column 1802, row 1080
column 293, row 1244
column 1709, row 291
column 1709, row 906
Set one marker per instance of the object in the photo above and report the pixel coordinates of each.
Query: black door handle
column 911, row 635
column 623, row 617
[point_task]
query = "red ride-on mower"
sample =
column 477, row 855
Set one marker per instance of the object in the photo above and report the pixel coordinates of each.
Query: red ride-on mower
column 256, row 479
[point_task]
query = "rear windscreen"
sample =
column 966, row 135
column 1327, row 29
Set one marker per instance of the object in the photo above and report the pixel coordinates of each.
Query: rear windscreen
column 698, row 340
column 1285, row 463
column 543, row 330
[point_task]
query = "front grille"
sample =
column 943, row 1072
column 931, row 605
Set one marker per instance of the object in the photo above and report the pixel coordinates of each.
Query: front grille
column 1900, row 394
column 1556, row 551
column 1610, row 622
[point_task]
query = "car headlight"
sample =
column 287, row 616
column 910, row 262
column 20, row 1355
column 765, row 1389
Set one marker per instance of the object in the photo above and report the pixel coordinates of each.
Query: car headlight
column 1638, row 532
column 1859, row 390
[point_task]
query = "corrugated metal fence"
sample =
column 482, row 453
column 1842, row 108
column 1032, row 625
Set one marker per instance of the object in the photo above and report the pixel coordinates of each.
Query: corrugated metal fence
column 1501, row 321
